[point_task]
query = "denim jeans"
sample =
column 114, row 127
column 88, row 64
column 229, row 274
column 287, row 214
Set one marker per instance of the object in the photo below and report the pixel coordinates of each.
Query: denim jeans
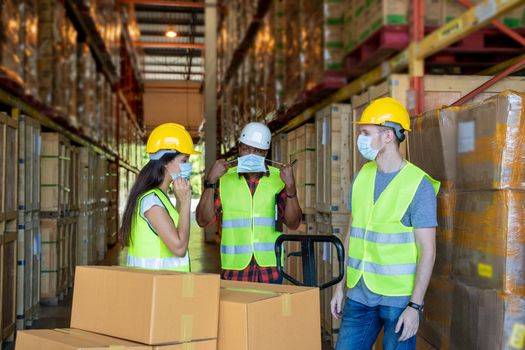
column 361, row 325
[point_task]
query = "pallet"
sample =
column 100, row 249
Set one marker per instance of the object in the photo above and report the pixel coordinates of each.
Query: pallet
column 379, row 46
column 333, row 127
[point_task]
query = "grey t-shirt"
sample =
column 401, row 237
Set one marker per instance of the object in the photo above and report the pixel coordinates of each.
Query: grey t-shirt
column 421, row 213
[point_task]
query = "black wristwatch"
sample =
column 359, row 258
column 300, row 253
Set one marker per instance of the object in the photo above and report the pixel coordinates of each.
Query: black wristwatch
column 208, row 184
column 418, row 307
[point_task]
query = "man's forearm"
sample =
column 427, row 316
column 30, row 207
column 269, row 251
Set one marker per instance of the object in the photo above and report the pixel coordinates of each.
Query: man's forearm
column 206, row 208
column 423, row 274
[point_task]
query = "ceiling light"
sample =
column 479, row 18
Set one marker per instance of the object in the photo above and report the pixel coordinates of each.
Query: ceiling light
column 170, row 33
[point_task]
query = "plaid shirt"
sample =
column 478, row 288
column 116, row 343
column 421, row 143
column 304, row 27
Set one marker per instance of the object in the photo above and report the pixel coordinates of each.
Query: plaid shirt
column 253, row 272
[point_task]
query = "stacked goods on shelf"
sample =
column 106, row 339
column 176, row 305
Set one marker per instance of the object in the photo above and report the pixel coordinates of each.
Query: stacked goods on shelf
column 57, row 59
column 293, row 74
column 322, row 43
column 11, row 55
column 432, row 146
column 86, row 88
column 29, row 40
column 101, row 207
column 334, row 175
column 112, row 213
column 28, row 269
column 55, row 211
column 8, row 219
column 86, row 174
column 440, row 90
column 489, row 240
column 328, row 267
column 301, row 147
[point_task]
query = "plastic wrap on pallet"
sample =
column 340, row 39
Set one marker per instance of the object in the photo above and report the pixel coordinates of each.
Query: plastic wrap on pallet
column 11, row 55
column 433, row 13
column 51, row 59
column 432, row 144
column 491, row 144
column 86, row 88
column 29, row 46
column 69, row 74
column 293, row 57
column 349, row 37
column 489, row 240
column 321, row 39
column 435, row 326
column 486, row 319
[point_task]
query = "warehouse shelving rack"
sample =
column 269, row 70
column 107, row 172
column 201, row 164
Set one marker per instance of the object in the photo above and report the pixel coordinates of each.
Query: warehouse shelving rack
column 420, row 47
column 16, row 102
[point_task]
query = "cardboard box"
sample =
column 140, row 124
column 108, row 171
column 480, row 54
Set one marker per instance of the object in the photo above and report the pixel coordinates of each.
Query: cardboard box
column 435, row 326
column 264, row 316
column 76, row 339
column 146, row 306
column 489, row 240
column 486, row 319
column 446, row 205
column 491, row 144
column 432, row 144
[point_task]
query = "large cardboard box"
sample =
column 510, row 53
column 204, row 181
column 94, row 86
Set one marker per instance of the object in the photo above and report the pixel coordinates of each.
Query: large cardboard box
column 489, row 240
column 261, row 316
column 491, row 144
column 486, row 319
column 432, row 144
column 446, row 205
column 76, row 339
column 146, row 306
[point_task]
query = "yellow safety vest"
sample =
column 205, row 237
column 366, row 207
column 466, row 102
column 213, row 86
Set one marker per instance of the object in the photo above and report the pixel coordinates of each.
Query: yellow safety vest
column 381, row 248
column 146, row 249
column 248, row 222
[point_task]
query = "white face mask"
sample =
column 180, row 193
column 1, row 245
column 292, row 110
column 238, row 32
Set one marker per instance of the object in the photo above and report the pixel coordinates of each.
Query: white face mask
column 364, row 145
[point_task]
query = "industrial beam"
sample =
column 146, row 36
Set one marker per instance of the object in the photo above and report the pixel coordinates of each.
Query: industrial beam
column 165, row 45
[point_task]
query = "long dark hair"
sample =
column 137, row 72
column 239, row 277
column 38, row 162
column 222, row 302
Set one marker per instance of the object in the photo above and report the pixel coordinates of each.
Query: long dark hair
column 150, row 176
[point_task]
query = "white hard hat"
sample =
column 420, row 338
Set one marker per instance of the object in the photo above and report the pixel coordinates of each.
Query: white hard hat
column 256, row 135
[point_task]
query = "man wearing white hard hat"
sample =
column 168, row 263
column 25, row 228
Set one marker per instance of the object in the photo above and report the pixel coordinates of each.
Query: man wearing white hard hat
column 252, row 197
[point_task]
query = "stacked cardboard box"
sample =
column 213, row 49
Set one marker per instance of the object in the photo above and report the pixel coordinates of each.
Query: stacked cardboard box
column 29, row 41
column 489, row 239
column 301, row 147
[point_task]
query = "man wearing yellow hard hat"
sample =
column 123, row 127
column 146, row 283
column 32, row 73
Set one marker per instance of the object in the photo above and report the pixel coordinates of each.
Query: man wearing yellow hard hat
column 156, row 232
column 391, row 240
column 251, row 197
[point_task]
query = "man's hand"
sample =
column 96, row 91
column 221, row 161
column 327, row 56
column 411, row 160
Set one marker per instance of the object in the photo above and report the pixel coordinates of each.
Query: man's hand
column 409, row 319
column 287, row 177
column 336, row 305
column 220, row 167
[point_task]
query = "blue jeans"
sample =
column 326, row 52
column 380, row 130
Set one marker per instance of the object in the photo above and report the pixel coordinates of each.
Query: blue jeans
column 361, row 325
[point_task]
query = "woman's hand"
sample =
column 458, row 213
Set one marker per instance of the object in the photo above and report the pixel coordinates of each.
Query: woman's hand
column 182, row 190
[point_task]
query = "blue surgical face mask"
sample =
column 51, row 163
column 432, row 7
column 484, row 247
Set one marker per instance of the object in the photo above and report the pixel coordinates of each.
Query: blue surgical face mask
column 185, row 171
column 364, row 145
column 251, row 163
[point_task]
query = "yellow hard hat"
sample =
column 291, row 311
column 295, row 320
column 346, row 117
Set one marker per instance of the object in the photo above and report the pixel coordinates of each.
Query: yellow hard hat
column 384, row 110
column 169, row 137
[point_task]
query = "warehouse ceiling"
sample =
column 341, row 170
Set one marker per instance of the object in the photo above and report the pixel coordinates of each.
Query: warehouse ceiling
column 171, row 58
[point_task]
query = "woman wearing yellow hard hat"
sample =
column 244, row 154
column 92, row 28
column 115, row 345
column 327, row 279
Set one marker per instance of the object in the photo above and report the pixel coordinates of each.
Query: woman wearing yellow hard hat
column 156, row 232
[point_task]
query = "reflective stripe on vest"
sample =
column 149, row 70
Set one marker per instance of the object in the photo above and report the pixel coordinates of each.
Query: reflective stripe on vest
column 159, row 263
column 248, row 222
column 381, row 249
column 146, row 249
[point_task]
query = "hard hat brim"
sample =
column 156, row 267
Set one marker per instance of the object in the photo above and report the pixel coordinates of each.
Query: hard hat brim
column 364, row 123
